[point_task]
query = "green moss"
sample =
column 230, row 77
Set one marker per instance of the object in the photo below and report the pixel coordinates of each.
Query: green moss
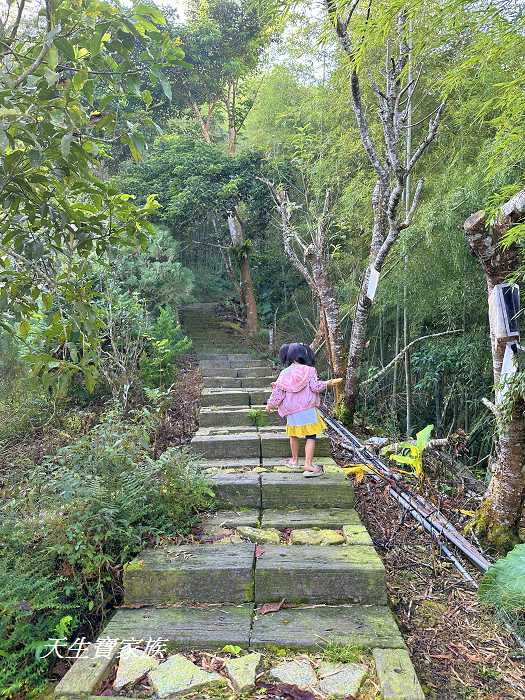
column 135, row 565
column 342, row 653
column 486, row 523
column 430, row 612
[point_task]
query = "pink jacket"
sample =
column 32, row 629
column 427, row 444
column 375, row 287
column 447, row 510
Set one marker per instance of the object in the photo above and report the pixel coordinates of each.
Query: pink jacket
column 296, row 389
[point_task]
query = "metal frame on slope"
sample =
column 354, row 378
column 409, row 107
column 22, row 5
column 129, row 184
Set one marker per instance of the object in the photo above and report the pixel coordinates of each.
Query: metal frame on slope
column 419, row 508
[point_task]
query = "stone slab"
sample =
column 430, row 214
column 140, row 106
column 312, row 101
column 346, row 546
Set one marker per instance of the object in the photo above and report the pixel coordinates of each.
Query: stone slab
column 184, row 628
column 236, row 445
column 279, row 446
column 365, row 626
column 305, row 518
column 225, row 430
column 298, row 672
column 225, row 397
column 212, row 372
column 257, row 372
column 264, row 382
column 222, row 382
column 89, row 671
column 259, row 396
column 330, row 467
column 197, row 573
column 179, row 676
column 242, row 671
column 237, row 490
column 293, row 490
column 243, row 464
column 234, row 416
column 340, row 680
column 232, row 519
column 397, row 676
column 356, row 533
column 320, row 574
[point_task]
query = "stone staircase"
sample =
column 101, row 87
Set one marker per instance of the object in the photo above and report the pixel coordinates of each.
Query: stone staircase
column 268, row 542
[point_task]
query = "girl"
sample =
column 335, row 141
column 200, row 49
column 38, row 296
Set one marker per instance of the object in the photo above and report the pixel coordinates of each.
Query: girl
column 295, row 395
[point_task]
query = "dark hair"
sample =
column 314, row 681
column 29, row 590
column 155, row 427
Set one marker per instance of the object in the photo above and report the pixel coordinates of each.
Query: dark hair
column 283, row 352
column 299, row 352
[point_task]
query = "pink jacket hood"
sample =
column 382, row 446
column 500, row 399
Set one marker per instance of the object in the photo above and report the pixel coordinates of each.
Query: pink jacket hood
column 295, row 377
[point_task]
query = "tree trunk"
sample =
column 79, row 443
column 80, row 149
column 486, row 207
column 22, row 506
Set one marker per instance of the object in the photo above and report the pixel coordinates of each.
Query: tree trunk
column 502, row 509
column 329, row 310
column 247, row 291
column 358, row 335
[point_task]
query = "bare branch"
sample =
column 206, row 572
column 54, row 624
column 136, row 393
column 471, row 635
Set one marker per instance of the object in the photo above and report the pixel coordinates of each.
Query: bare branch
column 401, row 354
column 431, row 134
column 415, row 201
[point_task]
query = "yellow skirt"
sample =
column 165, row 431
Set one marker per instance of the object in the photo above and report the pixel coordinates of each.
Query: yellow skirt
column 303, row 423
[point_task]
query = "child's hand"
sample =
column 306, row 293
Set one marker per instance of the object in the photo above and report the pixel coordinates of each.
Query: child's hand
column 335, row 382
column 269, row 409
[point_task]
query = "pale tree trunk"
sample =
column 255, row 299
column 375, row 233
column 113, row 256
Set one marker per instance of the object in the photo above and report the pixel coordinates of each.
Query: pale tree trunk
column 311, row 259
column 247, row 292
column 392, row 171
column 501, row 515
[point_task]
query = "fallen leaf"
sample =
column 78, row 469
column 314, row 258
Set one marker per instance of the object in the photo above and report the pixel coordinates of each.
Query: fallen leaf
column 270, row 607
column 259, row 551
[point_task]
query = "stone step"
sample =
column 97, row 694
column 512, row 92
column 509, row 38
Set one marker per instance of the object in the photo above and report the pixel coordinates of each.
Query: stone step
column 273, row 445
column 362, row 626
column 293, row 490
column 184, row 628
column 221, row 446
column 226, row 430
column 239, row 373
column 234, row 364
column 193, row 573
column 270, row 465
column 230, row 519
column 225, row 397
column 237, row 490
column 319, row 575
column 237, row 382
column 211, row 417
column 222, row 382
column 322, row 518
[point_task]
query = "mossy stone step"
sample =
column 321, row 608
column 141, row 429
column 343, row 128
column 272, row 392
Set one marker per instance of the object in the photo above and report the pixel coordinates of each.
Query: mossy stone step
column 221, row 446
column 301, row 518
column 397, row 676
column 225, row 397
column 247, row 372
column 273, row 445
column 232, row 363
column 222, row 382
column 234, row 416
column 319, row 574
column 226, row 430
column 185, row 628
column 292, row 490
column 237, row 490
column 237, row 382
column 231, row 519
column 194, row 573
column 363, row 626
column 238, row 373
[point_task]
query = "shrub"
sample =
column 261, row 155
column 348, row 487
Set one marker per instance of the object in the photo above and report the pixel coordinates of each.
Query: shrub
column 167, row 343
column 503, row 585
column 83, row 514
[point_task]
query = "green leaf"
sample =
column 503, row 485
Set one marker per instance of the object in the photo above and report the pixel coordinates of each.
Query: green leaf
column 232, row 649
column 65, row 144
column 147, row 98
column 51, row 77
column 24, row 328
column 80, row 78
column 52, row 58
column 423, row 437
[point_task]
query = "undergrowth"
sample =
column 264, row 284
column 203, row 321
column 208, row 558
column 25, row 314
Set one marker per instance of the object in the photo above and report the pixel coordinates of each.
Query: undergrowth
column 71, row 526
